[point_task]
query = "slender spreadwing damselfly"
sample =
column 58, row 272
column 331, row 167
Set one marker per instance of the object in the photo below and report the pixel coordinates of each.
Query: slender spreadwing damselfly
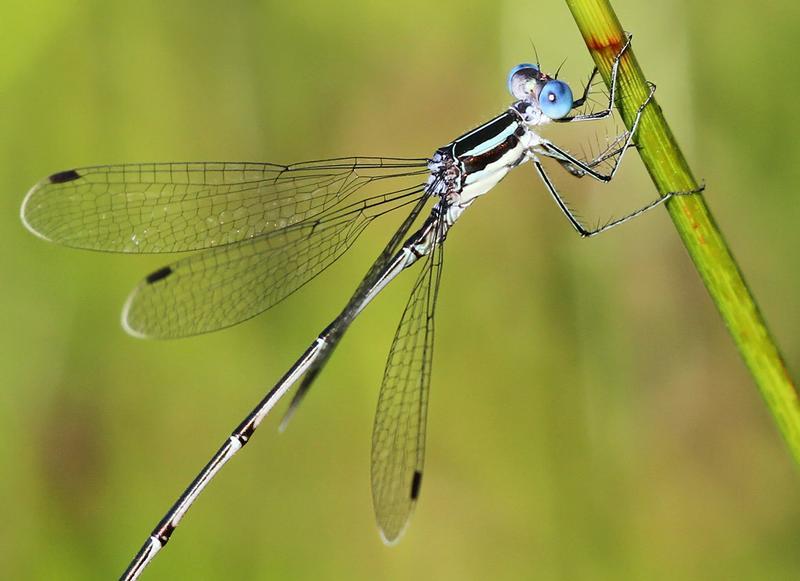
column 262, row 230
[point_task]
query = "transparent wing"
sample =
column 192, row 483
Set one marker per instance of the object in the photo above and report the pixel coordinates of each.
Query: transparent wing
column 381, row 268
column 225, row 285
column 175, row 207
column 398, row 438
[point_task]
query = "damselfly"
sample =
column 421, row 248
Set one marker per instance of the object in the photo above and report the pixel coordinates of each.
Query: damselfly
column 264, row 230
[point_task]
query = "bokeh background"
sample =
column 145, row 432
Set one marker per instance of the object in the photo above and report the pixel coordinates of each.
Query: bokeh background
column 589, row 416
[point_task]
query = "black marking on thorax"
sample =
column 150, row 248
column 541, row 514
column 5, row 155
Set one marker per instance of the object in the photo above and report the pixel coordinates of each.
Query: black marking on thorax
column 475, row 158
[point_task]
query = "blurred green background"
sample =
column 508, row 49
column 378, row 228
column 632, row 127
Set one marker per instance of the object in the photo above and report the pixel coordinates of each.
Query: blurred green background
column 589, row 416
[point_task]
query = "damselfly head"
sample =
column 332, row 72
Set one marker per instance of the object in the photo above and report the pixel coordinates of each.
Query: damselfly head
column 555, row 99
column 551, row 96
column 522, row 80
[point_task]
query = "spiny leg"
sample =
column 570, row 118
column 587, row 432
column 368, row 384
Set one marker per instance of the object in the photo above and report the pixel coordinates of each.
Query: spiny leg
column 612, row 150
column 587, row 233
column 578, row 103
column 580, row 168
column 611, row 93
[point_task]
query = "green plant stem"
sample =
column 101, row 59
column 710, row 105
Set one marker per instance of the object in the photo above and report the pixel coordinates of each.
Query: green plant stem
column 664, row 161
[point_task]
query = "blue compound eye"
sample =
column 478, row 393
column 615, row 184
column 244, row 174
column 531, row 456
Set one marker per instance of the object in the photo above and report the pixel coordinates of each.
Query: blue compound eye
column 555, row 99
column 521, row 80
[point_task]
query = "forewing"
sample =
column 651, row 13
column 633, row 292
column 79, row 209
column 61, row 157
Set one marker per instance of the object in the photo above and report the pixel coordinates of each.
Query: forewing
column 379, row 270
column 175, row 207
column 222, row 286
column 398, row 439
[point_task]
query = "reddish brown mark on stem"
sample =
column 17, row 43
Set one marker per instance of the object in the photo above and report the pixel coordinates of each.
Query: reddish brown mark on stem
column 598, row 44
column 695, row 226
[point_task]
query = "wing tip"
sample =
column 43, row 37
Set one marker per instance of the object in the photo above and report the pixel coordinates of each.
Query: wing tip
column 392, row 534
column 393, row 540
column 287, row 417
column 125, row 321
column 60, row 177
column 125, row 318
column 24, row 213
column 392, row 537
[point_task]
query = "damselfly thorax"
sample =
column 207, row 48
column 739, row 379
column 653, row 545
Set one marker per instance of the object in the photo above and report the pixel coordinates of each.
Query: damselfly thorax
column 474, row 163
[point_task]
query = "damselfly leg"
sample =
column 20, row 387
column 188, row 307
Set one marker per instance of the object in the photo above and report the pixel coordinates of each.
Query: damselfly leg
column 588, row 233
column 610, row 152
column 578, row 103
column 612, row 92
column 579, row 168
